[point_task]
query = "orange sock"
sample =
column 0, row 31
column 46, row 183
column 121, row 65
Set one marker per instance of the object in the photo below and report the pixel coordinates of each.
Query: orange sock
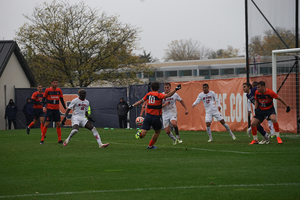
column 254, row 130
column 276, row 127
column 44, row 130
column 151, row 143
column 42, row 126
column 31, row 125
column 58, row 130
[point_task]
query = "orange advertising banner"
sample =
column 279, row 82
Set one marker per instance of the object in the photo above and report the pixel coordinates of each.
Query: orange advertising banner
column 233, row 102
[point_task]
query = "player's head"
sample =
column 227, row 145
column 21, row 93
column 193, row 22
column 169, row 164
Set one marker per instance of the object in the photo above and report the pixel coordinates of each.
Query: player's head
column 154, row 86
column 261, row 86
column 254, row 84
column 82, row 94
column 121, row 99
column 167, row 87
column 205, row 87
column 247, row 87
column 28, row 99
column 39, row 88
column 54, row 82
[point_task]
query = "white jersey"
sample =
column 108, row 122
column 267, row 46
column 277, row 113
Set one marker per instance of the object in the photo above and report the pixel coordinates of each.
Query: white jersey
column 209, row 101
column 171, row 108
column 79, row 107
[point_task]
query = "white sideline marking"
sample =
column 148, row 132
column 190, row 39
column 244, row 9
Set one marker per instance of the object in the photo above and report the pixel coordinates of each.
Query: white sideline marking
column 145, row 189
column 199, row 149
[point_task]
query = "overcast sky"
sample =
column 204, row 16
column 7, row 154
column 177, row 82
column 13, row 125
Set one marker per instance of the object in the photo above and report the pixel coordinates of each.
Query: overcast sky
column 214, row 23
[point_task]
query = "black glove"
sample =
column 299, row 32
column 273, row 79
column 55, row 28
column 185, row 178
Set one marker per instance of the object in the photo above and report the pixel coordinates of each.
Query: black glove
column 91, row 119
column 257, row 111
column 130, row 107
column 288, row 109
column 63, row 121
column 178, row 87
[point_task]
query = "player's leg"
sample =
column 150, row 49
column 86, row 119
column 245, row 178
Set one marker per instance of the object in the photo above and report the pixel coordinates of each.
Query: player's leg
column 34, row 122
column 87, row 124
column 273, row 118
column 271, row 127
column 208, row 120
column 227, row 128
column 254, row 123
column 56, row 119
column 9, row 123
column 174, row 124
column 46, row 125
column 145, row 127
column 42, row 122
column 153, row 139
column 167, row 127
column 75, row 129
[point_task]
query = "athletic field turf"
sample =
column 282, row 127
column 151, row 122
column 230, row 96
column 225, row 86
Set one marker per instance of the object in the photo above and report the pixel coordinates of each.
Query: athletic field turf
column 195, row 169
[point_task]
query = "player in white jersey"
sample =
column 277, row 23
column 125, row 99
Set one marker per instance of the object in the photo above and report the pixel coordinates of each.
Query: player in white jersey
column 79, row 107
column 169, row 113
column 209, row 99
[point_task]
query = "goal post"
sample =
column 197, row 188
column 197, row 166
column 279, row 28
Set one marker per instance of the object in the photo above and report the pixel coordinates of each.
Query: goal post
column 287, row 76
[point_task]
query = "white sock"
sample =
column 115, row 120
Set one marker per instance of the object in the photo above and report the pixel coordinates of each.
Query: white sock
column 73, row 132
column 277, row 134
column 171, row 136
column 249, row 129
column 209, row 132
column 228, row 129
column 97, row 136
column 255, row 137
column 271, row 127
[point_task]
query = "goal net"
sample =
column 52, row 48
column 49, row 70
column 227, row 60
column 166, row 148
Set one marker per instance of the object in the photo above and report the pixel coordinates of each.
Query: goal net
column 285, row 82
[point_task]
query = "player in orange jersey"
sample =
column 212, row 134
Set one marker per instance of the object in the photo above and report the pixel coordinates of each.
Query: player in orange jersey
column 52, row 96
column 154, row 112
column 264, row 108
column 38, row 113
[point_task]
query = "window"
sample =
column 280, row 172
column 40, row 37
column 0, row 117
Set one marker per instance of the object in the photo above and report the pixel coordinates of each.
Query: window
column 159, row 74
column 214, row 72
column 171, row 73
column 194, row 72
column 185, row 72
column 151, row 74
column 204, row 72
column 227, row 71
column 240, row 71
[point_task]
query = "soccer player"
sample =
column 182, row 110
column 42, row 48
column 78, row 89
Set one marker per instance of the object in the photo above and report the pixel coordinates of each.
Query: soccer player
column 209, row 99
column 169, row 113
column 264, row 108
column 250, row 93
column 52, row 96
column 154, row 112
column 38, row 113
column 80, row 117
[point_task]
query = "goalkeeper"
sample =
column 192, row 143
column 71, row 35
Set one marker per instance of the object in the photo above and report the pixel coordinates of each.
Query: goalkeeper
column 79, row 107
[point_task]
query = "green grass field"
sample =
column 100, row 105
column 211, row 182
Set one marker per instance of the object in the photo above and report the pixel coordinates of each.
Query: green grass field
column 195, row 169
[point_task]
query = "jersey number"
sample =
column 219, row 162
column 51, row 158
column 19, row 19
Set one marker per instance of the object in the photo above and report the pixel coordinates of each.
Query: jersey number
column 82, row 108
column 151, row 100
column 207, row 101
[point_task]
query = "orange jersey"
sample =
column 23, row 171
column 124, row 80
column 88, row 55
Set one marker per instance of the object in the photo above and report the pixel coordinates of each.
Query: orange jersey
column 37, row 98
column 52, row 98
column 265, row 100
column 154, row 102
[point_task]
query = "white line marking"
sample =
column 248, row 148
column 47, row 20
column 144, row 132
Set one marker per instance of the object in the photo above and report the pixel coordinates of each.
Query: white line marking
column 145, row 189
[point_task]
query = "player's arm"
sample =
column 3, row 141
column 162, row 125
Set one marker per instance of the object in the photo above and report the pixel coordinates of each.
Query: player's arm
column 218, row 102
column 284, row 103
column 197, row 101
column 137, row 103
column 165, row 104
column 66, row 115
column 256, row 104
column 63, row 102
column 249, row 107
column 173, row 91
column 184, row 105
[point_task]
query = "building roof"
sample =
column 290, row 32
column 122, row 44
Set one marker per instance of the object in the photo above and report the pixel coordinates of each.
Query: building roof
column 7, row 47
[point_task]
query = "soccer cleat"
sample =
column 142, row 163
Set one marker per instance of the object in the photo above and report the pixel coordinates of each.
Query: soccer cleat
column 104, row 145
column 233, row 137
column 180, row 141
column 42, row 142
column 60, row 142
column 151, row 147
column 254, row 142
column 273, row 135
column 175, row 141
column 27, row 130
column 210, row 140
column 249, row 132
column 66, row 142
column 279, row 140
column 138, row 133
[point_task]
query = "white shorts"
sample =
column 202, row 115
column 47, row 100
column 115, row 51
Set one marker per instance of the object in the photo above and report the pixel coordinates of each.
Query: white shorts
column 210, row 115
column 167, row 118
column 79, row 120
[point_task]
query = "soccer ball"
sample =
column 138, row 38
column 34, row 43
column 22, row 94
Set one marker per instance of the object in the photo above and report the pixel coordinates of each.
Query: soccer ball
column 139, row 121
